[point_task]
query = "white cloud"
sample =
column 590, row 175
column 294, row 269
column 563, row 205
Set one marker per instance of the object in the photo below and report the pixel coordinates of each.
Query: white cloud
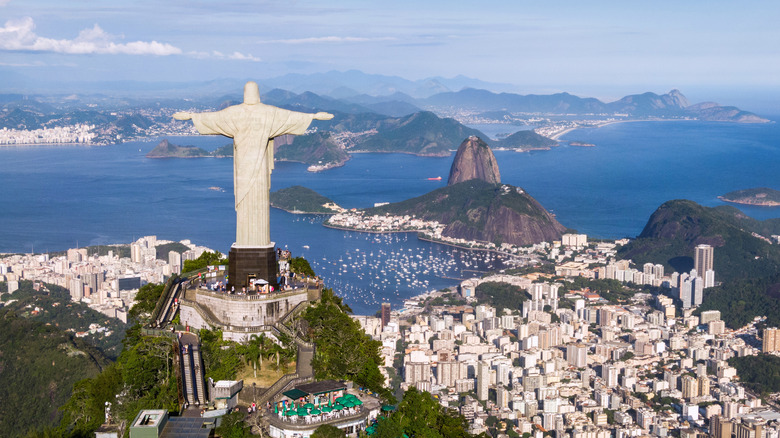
column 4, row 2
column 19, row 35
column 238, row 56
column 243, row 57
column 327, row 39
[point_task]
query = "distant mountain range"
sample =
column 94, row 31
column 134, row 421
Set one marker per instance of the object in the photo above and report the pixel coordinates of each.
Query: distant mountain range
column 409, row 118
column 670, row 105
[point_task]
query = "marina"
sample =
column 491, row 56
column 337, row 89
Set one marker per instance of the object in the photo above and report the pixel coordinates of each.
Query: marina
column 391, row 267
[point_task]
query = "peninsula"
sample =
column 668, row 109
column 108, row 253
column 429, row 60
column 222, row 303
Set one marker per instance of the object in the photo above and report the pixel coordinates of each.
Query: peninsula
column 302, row 200
column 475, row 206
column 760, row 197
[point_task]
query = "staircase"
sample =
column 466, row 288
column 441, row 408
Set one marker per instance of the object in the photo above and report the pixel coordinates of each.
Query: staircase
column 193, row 387
column 198, row 374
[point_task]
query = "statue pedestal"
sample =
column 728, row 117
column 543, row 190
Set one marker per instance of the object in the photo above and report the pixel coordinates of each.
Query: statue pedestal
column 248, row 262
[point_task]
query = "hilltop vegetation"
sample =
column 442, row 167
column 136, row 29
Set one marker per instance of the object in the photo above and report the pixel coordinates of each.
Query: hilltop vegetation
column 745, row 261
column 344, row 351
column 501, row 296
column 165, row 149
column 421, row 133
column 742, row 246
column 524, row 140
column 312, row 149
column 739, row 301
column 760, row 373
column 299, row 199
column 477, row 210
column 143, row 377
column 39, row 364
column 52, row 305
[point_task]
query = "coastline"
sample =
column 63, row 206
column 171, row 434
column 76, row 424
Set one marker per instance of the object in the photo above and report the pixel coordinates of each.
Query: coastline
column 336, row 227
column 421, row 236
column 765, row 204
column 557, row 135
column 299, row 211
column 10, row 145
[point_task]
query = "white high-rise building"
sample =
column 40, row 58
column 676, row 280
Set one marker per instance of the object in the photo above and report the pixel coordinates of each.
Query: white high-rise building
column 135, row 253
column 698, row 291
column 610, row 375
column 686, row 291
column 483, row 380
column 577, row 355
column 709, row 278
column 174, row 259
column 703, row 260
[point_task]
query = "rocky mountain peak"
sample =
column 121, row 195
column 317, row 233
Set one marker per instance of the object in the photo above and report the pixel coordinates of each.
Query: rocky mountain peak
column 474, row 160
column 676, row 98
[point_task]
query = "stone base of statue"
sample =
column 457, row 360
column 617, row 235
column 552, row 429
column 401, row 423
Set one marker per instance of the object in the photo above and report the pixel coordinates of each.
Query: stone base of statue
column 252, row 262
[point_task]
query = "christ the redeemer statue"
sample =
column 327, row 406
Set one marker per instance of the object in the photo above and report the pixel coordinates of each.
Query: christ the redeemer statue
column 252, row 126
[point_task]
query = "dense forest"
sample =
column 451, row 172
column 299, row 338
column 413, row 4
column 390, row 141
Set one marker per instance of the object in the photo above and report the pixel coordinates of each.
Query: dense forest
column 51, row 304
column 742, row 300
column 760, row 373
column 39, row 364
column 419, row 415
column 344, row 351
column 501, row 296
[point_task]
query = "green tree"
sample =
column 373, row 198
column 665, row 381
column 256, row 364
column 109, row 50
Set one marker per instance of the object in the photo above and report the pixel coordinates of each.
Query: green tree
column 328, row 431
column 233, row 426
column 221, row 358
column 255, row 349
column 143, row 376
column 145, row 301
column 301, row 266
column 418, row 415
column 501, row 296
column 343, row 350
column 208, row 258
column 760, row 373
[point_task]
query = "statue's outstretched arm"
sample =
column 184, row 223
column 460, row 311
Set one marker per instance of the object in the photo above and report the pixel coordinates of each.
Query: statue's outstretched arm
column 319, row 116
column 184, row 115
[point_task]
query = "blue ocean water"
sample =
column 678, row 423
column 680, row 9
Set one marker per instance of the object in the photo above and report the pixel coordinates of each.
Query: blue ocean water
column 58, row 197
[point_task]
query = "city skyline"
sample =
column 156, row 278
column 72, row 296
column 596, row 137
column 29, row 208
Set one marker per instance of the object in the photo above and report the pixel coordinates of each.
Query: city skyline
column 598, row 49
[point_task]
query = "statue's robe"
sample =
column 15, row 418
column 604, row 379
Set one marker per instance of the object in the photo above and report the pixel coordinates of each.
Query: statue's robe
column 252, row 128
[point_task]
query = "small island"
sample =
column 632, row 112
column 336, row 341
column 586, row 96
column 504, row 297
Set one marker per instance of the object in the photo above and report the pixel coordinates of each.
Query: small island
column 581, row 144
column 760, row 197
column 166, row 149
column 302, row 200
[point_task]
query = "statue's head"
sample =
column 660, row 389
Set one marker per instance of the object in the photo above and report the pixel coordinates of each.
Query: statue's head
column 251, row 93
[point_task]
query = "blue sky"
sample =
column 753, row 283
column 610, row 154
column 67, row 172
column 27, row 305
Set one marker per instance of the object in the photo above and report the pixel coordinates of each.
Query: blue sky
column 708, row 49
